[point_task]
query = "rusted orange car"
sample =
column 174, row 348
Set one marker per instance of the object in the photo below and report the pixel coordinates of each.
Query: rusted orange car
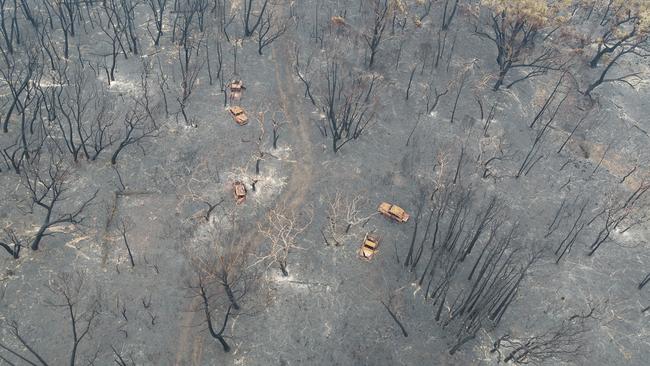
column 338, row 20
column 239, row 190
column 239, row 115
column 236, row 89
column 369, row 247
column 393, row 212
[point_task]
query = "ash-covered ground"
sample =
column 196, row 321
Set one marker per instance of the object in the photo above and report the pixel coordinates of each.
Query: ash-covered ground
column 124, row 244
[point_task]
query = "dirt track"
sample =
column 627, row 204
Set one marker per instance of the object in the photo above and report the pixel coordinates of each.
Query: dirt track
column 190, row 342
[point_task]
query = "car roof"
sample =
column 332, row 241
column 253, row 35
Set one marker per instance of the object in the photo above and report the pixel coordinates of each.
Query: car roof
column 396, row 210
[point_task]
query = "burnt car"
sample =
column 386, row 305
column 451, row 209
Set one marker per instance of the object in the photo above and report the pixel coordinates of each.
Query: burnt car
column 239, row 115
column 369, row 247
column 239, row 190
column 338, row 20
column 236, row 89
column 393, row 212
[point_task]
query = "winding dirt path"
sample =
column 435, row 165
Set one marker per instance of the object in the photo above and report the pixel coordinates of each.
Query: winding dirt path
column 190, row 342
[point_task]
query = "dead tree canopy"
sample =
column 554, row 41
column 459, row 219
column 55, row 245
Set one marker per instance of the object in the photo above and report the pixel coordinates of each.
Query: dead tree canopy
column 619, row 215
column 562, row 342
column 225, row 263
column 373, row 36
column 621, row 27
column 344, row 216
column 271, row 28
column 47, row 191
column 209, row 306
column 11, row 243
column 282, row 228
column 348, row 103
column 468, row 263
column 138, row 126
column 79, row 303
column 223, row 282
column 620, row 30
column 518, row 30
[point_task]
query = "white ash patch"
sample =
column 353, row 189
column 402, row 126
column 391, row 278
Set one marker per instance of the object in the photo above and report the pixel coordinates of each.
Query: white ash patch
column 629, row 237
column 268, row 186
column 495, row 121
column 46, row 84
column 190, row 127
column 289, row 282
column 277, row 276
column 175, row 127
column 206, row 233
column 283, row 152
column 123, row 87
column 86, row 245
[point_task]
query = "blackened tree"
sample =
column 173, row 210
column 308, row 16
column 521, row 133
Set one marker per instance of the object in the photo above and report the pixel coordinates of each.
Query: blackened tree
column 375, row 33
column 622, row 31
column 47, row 191
column 157, row 8
column 623, row 26
column 71, row 294
column 251, row 24
column 347, row 104
column 138, row 126
column 189, row 41
column 517, row 30
column 562, row 342
column 69, row 290
column 11, row 243
column 205, row 291
column 270, row 29
column 448, row 12
column 18, row 76
column 616, row 212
